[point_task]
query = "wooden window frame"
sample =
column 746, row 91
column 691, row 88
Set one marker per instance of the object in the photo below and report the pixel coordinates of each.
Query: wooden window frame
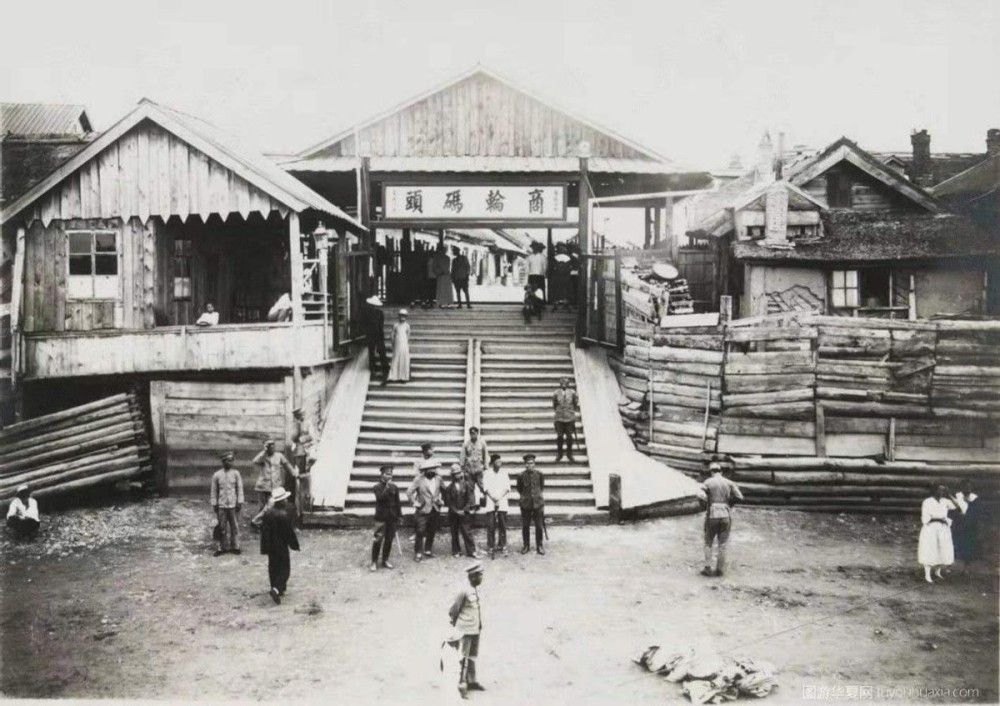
column 72, row 288
column 188, row 255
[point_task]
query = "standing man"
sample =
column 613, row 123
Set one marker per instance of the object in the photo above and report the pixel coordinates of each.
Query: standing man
column 461, row 269
column 426, row 454
column 22, row 514
column 303, row 441
column 472, row 458
column 719, row 494
column 387, row 515
column 373, row 325
column 425, row 496
column 564, row 404
column 227, row 500
column 276, row 537
column 467, row 618
column 497, row 483
column 460, row 497
column 273, row 467
column 530, row 485
column 538, row 265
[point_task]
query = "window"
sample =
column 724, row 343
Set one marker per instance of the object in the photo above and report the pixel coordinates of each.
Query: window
column 93, row 265
column 182, row 270
column 844, row 289
column 838, row 190
column 868, row 288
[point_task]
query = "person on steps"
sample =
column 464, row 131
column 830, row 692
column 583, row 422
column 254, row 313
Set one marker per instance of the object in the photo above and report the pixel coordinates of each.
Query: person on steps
column 277, row 536
column 373, row 325
column 442, row 273
column 399, row 371
column 387, row 515
column 461, row 270
column 718, row 494
column 530, row 488
column 564, row 405
column 472, row 457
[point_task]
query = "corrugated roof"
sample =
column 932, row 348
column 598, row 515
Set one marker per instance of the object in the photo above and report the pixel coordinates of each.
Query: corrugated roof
column 600, row 165
column 33, row 119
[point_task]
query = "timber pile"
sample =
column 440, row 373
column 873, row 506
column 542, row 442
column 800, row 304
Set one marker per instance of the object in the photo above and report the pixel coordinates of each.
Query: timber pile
column 647, row 298
column 93, row 444
column 822, row 412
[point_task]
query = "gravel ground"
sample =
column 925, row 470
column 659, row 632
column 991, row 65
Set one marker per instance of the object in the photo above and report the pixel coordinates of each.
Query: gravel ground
column 127, row 601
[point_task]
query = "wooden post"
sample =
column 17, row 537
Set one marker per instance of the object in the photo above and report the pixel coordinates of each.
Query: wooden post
column 157, row 413
column 890, row 442
column 323, row 253
column 648, row 222
column 550, row 258
column 584, row 195
column 619, row 304
column 615, row 499
column 668, row 227
column 725, row 309
column 295, row 263
column 17, row 289
column 657, row 225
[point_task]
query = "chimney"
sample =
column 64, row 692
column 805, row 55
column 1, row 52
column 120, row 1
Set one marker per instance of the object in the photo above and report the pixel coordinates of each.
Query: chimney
column 920, row 171
column 993, row 141
column 765, row 160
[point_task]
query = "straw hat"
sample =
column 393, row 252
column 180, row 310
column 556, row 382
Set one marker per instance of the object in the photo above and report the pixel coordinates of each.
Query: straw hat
column 374, row 300
column 23, row 488
column 279, row 494
column 429, row 465
column 404, row 312
column 476, row 568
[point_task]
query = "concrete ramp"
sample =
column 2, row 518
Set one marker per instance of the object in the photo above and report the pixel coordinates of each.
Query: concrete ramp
column 645, row 483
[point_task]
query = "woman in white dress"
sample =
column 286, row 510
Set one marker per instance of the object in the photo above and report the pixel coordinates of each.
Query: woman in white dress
column 399, row 371
column 935, row 549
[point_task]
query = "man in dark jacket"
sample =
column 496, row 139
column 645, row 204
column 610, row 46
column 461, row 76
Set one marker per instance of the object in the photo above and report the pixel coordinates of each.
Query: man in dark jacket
column 530, row 485
column 461, row 269
column 460, row 497
column 276, row 536
column 387, row 514
column 373, row 325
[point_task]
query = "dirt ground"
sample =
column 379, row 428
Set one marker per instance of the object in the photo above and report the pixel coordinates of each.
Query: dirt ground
column 127, row 601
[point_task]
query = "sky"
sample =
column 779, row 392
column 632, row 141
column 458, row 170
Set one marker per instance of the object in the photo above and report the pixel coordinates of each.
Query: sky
column 697, row 81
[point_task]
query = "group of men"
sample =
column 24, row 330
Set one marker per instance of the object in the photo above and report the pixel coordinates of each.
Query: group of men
column 478, row 482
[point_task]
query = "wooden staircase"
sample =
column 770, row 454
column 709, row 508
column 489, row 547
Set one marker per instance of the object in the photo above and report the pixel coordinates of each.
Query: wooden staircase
column 480, row 365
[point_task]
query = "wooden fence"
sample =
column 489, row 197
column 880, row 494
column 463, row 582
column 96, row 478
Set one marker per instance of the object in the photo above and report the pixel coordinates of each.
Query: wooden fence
column 820, row 412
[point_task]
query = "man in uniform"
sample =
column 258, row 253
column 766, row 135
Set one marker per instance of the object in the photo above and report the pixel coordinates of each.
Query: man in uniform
column 467, row 619
column 373, row 325
column 227, row 500
column 564, row 404
column 719, row 494
column 425, row 496
column 273, row 466
column 497, row 485
column 460, row 497
column 472, row 458
column 530, row 485
column 304, row 441
column 387, row 515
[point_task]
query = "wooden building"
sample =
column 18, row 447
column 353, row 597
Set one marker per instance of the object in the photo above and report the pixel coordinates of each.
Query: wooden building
column 119, row 249
column 840, row 233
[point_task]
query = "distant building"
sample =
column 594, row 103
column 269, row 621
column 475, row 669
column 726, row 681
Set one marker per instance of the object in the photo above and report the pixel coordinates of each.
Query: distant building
column 976, row 191
column 927, row 168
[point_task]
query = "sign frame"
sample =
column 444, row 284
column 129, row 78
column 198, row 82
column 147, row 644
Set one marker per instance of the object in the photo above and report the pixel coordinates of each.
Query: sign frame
column 457, row 221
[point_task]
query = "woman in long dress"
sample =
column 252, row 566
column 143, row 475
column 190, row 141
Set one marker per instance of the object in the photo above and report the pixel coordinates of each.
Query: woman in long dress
column 965, row 531
column 442, row 270
column 935, row 549
column 399, row 371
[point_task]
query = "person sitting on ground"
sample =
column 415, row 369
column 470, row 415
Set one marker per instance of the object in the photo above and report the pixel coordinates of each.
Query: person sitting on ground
column 718, row 494
column 210, row 317
column 22, row 514
column 532, row 304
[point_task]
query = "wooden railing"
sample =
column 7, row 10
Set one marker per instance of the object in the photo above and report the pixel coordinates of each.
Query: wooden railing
column 173, row 348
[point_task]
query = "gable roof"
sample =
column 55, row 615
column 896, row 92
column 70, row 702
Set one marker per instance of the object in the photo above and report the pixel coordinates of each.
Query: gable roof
column 977, row 181
column 224, row 149
column 845, row 150
column 36, row 119
column 479, row 71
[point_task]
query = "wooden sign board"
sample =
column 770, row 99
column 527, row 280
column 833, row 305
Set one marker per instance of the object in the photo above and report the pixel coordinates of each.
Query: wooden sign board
column 485, row 202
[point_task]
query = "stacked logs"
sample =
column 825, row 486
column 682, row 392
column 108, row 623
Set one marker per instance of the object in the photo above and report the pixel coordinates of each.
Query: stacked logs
column 94, row 444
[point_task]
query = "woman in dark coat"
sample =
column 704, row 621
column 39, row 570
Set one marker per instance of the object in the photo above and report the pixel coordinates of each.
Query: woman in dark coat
column 965, row 524
column 276, row 537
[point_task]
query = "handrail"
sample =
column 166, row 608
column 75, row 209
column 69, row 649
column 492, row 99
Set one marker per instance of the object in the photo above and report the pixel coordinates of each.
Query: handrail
column 470, row 384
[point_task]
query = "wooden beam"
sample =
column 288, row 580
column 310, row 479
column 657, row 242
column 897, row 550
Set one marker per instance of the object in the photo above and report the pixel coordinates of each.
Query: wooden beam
column 658, row 214
column 584, row 194
column 295, row 264
column 647, row 222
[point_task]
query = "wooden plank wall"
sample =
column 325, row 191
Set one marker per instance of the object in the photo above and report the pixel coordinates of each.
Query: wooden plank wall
column 481, row 116
column 150, row 172
column 821, row 397
column 200, row 420
column 867, row 193
column 317, row 389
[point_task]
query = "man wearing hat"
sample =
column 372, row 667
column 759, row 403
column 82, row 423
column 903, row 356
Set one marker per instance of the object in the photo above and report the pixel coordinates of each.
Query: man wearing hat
column 22, row 514
column 227, row 499
column 460, row 497
column 467, row 619
column 538, row 265
column 277, row 536
column 387, row 515
column 304, row 441
column 472, row 457
column 373, row 325
column 718, row 494
column 564, row 404
column 425, row 496
column 497, row 487
column 273, row 466
column 530, row 485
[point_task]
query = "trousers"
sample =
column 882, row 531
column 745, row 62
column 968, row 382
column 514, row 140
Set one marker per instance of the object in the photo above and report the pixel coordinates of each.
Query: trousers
column 460, row 524
column 385, row 532
column 468, row 648
column 23, row 527
column 229, row 526
column 279, row 568
column 717, row 529
column 462, row 285
column 427, row 524
column 564, row 430
column 377, row 345
column 496, row 522
column 531, row 516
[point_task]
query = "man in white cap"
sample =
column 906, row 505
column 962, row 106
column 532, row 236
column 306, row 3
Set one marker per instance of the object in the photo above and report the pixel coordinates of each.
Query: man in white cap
column 277, row 536
column 718, row 494
column 425, row 496
column 227, row 499
column 373, row 325
column 22, row 514
column 467, row 619
column 273, row 466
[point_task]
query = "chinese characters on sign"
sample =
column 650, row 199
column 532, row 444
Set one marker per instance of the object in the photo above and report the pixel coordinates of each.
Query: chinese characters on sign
column 415, row 202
